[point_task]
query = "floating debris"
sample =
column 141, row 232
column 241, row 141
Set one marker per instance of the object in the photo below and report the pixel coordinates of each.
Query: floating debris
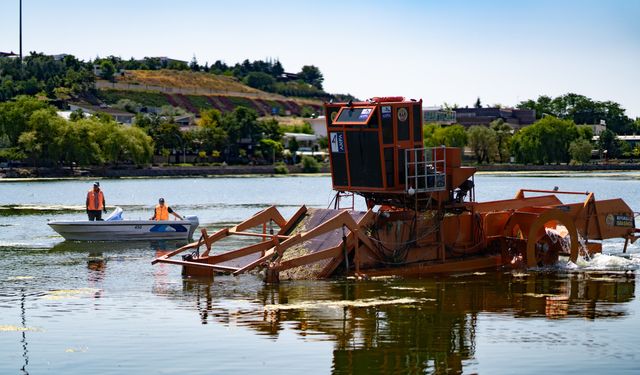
column 10, row 328
column 360, row 303
column 17, row 278
column 76, row 350
column 69, row 293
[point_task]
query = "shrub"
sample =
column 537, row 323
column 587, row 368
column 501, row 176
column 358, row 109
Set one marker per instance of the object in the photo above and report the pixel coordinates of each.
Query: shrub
column 280, row 168
column 310, row 164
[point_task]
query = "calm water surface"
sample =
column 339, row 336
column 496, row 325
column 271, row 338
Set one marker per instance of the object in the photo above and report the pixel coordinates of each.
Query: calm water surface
column 102, row 308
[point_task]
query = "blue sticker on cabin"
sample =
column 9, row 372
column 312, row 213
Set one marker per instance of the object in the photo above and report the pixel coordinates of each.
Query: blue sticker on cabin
column 364, row 114
column 386, row 111
column 337, row 142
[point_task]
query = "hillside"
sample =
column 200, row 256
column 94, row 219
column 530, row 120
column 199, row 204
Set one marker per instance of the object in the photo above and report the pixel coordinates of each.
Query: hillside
column 185, row 79
column 195, row 91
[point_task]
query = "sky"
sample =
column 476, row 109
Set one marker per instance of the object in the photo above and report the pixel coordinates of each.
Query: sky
column 441, row 52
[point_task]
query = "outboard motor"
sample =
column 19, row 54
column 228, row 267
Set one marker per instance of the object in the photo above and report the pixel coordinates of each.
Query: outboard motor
column 194, row 224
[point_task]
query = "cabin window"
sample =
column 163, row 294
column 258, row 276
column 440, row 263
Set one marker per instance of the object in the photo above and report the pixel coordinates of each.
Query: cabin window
column 354, row 115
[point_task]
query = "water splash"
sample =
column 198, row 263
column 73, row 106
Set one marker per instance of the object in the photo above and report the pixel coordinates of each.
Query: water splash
column 602, row 262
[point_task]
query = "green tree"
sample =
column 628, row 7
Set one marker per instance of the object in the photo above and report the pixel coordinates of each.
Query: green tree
column 242, row 127
column 311, row 75
column 450, row 136
column 210, row 117
column 582, row 110
column 636, row 125
column 503, row 136
column 260, row 81
column 585, row 132
column 107, row 70
column 580, row 150
column 49, row 128
column 177, row 65
column 193, row 65
column 165, row 133
column 272, row 129
column 15, row 115
column 126, row 144
column 607, row 143
column 293, row 148
column 484, row 143
column 546, row 141
column 210, row 138
column 271, row 149
column 323, row 142
column 30, row 145
column 78, row 142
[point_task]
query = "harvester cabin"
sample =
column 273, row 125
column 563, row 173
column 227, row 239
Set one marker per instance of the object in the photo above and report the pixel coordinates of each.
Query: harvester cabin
column 376, row 150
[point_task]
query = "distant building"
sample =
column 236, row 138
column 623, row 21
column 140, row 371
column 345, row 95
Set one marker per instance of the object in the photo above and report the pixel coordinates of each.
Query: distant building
column 286, row 77
column 632, row 140
column 184, row 120
column 60, row 56
column 438, row 115
column 118, row 115
column 8, row 55
column 516, row 118
column 595, row 128
column 164, row 60
column 307, row 145
column 65, row 114
column 318, row 125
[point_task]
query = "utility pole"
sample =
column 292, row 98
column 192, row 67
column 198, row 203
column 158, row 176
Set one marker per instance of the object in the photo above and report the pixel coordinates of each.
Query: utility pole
column 21, row 31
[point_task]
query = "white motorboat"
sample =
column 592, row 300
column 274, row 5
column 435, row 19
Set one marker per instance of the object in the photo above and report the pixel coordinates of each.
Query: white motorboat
column 114, row 228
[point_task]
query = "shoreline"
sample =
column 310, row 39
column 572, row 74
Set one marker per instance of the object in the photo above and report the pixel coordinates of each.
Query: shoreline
column 30, row 173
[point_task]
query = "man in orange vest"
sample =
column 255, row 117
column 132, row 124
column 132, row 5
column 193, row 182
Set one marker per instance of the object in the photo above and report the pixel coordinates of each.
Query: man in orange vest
column 95, row 203
column 162, row 212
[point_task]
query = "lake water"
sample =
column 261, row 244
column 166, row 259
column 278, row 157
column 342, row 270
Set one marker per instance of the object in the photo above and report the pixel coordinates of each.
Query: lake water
column 102, row 308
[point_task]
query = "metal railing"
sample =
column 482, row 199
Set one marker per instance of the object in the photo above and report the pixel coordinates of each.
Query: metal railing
column 425, row 169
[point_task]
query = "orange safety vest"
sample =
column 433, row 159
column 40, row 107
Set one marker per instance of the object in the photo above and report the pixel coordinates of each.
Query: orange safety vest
column 93, row 205
column 162, row 212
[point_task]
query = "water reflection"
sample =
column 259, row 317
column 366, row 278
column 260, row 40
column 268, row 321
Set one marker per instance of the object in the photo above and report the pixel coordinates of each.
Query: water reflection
column 25, row 344
column 404, row 326
column 115, row 246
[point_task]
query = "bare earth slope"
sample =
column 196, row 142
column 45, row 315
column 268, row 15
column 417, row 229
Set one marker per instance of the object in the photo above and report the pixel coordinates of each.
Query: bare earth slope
column 186, row 79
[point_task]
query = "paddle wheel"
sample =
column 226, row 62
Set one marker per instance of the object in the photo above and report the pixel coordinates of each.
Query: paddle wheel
column 421, row 215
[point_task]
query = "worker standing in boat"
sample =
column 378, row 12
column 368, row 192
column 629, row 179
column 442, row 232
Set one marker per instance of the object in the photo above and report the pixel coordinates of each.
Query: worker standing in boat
column 95, row 203
column 162, row 212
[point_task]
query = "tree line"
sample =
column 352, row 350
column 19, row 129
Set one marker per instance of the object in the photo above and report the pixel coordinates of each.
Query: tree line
column 265, row 75
column 583, row 110
column 550, row 140
column 30, row 129
column 67, row 77
column 43, row 75
column 554, row 138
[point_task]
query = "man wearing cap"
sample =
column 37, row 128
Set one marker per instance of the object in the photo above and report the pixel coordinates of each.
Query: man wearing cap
column 162, row 212
column 95, row 203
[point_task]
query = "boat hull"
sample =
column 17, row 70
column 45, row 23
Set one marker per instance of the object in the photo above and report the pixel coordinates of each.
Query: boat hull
column 125, row 230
